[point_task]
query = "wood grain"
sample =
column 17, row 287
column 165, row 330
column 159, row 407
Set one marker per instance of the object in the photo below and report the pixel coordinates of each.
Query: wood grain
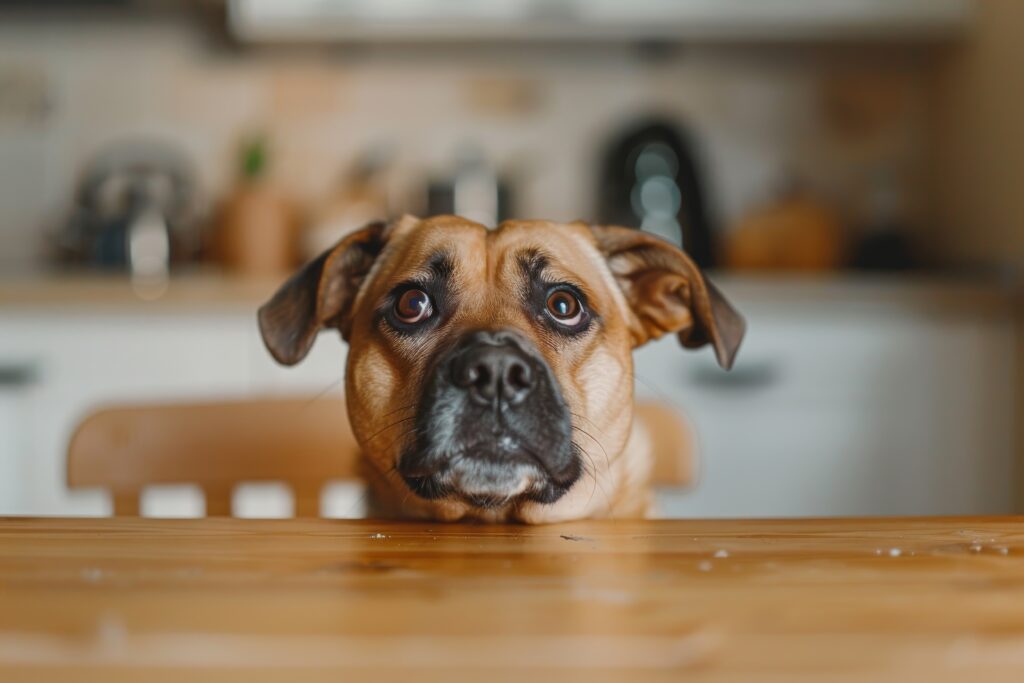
column 226, row 599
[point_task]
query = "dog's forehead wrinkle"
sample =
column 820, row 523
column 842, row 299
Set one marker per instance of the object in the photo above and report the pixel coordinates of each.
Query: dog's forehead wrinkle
column 437, row 265
column 433, row 264
column 378, row 265
column 531, row 261
column 603, row 269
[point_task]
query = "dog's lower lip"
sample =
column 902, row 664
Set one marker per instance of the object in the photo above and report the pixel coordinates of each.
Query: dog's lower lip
column 427, row 487
column 431, row 488
column 415, row 472
column 484, row 502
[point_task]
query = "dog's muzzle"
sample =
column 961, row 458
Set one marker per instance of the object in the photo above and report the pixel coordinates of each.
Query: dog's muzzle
column 492, row 426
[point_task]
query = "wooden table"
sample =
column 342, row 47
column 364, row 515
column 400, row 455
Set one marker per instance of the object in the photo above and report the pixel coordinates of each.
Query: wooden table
column 221, row 599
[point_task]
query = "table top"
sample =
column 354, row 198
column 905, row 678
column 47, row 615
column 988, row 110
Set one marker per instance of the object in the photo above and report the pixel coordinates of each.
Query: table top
column 223, row 599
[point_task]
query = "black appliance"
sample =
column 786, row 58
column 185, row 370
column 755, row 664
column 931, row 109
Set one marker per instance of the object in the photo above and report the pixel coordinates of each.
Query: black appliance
column 651, row 179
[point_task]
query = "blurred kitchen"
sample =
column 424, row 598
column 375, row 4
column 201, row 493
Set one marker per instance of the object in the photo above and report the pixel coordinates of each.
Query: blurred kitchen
column 851, row 173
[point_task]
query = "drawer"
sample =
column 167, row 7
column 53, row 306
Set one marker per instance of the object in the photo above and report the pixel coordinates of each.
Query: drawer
column 835, row 359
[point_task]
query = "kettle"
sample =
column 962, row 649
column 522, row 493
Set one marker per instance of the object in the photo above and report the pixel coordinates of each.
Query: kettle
column 134, row 210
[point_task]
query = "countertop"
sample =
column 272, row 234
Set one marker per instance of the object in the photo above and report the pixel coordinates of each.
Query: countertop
column 214, row 290
column 800, row 600
column 195, row 291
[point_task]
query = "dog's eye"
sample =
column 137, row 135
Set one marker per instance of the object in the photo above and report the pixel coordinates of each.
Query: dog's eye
column 565, row 308
column 413, row 306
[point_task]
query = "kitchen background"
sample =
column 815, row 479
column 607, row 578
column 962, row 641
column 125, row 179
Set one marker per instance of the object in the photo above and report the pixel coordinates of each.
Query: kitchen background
column 851, row 171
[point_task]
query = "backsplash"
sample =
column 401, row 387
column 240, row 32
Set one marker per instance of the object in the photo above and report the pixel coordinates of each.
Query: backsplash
column 542, row 115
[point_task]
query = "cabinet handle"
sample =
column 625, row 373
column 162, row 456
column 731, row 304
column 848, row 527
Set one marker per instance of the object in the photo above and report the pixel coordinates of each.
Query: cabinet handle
column 752, row 375
column 17, row 375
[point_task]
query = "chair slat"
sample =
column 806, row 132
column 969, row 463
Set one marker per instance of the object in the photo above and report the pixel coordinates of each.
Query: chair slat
column 301, row 442
column 218, row 501
column 126, row 505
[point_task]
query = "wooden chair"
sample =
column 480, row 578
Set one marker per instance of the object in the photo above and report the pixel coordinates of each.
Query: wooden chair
column 674, row 444
column 302, row 442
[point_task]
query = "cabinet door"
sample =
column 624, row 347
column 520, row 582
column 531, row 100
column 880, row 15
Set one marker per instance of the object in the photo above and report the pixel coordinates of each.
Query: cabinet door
column 840, row 414
column 86, row 361
column 322, row 372
column 16, row 379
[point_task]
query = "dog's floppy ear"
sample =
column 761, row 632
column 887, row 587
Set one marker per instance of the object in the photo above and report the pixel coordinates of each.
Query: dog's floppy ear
column 319, row 295
column 667, row 292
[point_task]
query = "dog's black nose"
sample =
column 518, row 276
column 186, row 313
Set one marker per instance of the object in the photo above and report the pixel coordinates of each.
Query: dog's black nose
column 493, row 369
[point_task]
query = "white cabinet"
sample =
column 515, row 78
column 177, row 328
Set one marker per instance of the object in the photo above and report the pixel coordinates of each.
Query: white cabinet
column 84, row 359
column 856, row 407
column 16, row 380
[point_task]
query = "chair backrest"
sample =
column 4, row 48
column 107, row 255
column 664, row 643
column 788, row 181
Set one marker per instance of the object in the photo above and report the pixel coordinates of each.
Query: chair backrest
column 673, row 443
column 302, row 442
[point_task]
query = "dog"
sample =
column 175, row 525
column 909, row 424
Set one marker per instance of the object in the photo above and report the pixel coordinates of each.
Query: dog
column 489, row 373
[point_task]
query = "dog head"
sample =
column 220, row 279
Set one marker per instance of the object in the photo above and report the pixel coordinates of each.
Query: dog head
column 489, row 372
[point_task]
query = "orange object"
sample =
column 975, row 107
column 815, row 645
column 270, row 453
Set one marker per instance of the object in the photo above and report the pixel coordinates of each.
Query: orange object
column 793, row 233
column 303, row 442
column 258, row 231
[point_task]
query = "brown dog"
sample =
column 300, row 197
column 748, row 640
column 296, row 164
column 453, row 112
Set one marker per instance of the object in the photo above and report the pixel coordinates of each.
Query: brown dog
column 490, row 373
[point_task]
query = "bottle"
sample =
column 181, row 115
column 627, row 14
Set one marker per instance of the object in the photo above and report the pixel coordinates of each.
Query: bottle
column 258, row 225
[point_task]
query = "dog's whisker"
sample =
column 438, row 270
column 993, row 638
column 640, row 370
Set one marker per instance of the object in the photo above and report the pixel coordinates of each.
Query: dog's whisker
column 326, row 390
column 597, row 483
column 401, row 436
column 662, row 396
column 587, row 465
column 596, row 474
column 586, row 462
column 390, row 426
column 398, row 410
column 405, row 498
column 592, row 423
column 360, row 501
column 607, row 460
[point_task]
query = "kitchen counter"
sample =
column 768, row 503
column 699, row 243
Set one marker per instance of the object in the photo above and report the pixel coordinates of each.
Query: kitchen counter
column 212, row 289
column 852, row 395
column 192, row 292
column 800, row 600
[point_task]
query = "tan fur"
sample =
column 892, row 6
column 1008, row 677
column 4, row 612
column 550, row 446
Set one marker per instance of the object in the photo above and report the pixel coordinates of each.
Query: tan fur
column 596, row 380
column 638, row 286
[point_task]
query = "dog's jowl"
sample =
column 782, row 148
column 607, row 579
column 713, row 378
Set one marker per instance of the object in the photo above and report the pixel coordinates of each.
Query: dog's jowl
column 489, row 372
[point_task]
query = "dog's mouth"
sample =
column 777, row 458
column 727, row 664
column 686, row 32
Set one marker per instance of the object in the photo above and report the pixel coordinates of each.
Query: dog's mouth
column 492, row 427
column 490, row 476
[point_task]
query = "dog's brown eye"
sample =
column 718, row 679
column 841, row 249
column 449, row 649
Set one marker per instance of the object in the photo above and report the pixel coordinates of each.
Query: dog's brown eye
column 413, row 306
column 565, row 308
